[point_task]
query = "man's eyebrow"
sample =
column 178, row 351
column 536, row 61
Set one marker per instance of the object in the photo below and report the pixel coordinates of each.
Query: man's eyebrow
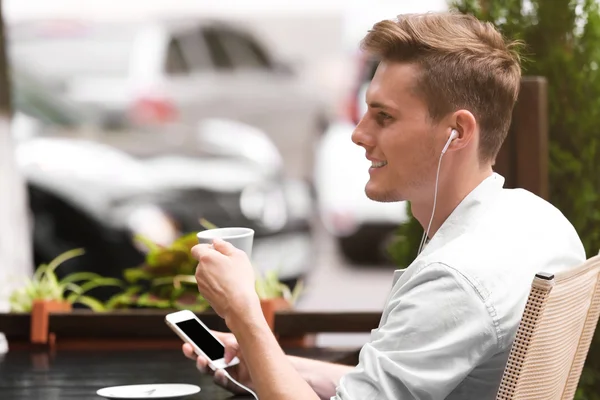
column 375, row 104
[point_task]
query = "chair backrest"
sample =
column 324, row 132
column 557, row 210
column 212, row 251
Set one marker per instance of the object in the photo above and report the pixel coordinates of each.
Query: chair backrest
column 554, row 335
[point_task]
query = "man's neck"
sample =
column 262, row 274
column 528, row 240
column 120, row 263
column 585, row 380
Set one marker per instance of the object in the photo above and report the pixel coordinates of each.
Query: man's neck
column 450, row 194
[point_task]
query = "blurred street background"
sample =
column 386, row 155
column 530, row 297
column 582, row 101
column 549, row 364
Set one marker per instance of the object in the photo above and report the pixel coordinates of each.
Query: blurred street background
column 144, row 120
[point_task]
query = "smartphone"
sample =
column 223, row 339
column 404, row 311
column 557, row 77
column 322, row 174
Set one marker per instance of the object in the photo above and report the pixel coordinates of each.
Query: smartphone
column 191, row 330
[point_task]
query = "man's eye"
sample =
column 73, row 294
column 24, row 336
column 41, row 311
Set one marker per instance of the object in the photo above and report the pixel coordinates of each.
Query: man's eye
column 381, row 116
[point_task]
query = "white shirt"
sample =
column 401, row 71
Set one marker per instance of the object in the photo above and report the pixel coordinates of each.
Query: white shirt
column 452, row 315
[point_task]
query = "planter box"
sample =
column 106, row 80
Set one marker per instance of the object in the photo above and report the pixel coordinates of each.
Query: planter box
column 140, row 328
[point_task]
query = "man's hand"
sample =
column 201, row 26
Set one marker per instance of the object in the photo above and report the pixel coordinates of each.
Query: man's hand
column 238, row 372
column 226, row 279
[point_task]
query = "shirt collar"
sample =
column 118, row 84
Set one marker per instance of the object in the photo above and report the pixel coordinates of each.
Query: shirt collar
column 466, row 212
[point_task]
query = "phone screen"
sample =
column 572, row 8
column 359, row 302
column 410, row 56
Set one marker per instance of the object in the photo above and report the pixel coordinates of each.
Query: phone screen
column 202, row 338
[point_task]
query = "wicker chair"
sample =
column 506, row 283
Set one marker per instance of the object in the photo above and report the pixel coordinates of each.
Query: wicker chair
column 554, row 335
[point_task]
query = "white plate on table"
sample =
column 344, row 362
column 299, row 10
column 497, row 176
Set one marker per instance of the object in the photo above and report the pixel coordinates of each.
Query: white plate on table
column 153, row 391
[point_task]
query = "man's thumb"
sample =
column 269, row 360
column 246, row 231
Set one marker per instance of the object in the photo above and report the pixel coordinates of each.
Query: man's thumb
column 231, row 350
column 223, row 247
column 230, row 353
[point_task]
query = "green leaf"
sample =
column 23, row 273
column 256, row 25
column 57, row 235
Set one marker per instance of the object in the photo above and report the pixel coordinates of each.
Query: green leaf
column 71, row 287
column 260, row 288
column 92, row 303
column 149, row 300
column 298, row 289
column 128, row 297
column 166, row 280
column 79, row 276
column 39, row 272
column 197, row 307
column 20, row 301
column 152, row 247
column 133, row 275
column 285, row 292
column 100, row 282
column 207, row 224
column 67, row 255
column 177, row 280
column 50, row 283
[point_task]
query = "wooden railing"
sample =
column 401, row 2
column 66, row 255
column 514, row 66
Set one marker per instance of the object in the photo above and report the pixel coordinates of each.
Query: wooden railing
column 523, row 159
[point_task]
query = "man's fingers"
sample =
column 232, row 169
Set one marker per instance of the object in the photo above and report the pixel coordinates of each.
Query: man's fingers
column 231, row 348
column 202, row 365
column 201, row 362
column 220, row 378
column 229, row 355
column 188, row 351
column 224, row 247
column 200, row 250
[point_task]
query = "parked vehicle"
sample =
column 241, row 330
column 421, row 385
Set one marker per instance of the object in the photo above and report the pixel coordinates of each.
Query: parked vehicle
column 44, row 113
column 84, row 194
column 169, row 75
column 362, row 227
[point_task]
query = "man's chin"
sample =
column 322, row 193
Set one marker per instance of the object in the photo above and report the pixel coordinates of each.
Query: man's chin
column 381, row 197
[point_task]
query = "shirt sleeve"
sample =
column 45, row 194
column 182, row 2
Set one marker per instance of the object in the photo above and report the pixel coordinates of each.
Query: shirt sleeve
column 438, row 328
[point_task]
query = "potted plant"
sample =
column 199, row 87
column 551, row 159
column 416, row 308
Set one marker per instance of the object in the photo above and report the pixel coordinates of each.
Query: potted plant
column 157, row 283
column 45, row 293
column 166, row 280
column 274, row 295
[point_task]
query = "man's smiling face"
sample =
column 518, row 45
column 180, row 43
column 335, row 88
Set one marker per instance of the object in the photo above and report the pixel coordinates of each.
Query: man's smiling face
column 398, row 134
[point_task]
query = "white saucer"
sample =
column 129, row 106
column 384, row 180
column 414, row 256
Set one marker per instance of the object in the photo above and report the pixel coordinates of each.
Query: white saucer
column 153, row 391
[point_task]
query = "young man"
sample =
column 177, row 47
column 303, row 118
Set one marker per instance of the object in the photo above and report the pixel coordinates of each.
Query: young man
column 445, row 81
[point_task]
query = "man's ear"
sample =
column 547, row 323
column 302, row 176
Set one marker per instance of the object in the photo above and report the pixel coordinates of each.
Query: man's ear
column 465, row 124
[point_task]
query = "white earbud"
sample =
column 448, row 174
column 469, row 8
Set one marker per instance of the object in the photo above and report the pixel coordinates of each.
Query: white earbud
column 453, row 135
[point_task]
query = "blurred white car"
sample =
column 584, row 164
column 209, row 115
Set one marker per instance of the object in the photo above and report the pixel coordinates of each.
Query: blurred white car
column 167, row 76
column 362, row 226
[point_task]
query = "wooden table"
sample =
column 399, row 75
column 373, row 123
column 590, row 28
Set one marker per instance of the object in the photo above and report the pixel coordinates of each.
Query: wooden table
column 75, row 374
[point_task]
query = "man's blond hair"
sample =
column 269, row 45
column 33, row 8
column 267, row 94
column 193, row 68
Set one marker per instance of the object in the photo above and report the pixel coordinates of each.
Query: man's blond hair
column 464, row 64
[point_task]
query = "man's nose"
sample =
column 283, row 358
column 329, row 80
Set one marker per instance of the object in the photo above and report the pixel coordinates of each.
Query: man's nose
column 361, row 135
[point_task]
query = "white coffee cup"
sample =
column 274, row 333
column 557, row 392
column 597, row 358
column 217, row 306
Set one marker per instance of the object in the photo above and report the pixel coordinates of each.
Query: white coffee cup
column 242, row 238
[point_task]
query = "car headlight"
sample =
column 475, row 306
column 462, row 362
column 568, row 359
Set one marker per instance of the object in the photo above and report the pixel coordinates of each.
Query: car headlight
column 265, row 206
column 153, row 223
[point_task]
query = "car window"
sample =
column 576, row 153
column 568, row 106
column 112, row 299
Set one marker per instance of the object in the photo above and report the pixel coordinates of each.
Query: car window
column 218, row 55
column 243, row 51
column 38, row 101
column 176, row 64
column 195, row 51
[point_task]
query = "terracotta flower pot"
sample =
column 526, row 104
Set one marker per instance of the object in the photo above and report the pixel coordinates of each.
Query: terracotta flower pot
column 269, row 308
column 39, row 318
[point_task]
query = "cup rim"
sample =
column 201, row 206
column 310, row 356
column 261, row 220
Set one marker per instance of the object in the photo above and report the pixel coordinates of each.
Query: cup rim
column 246, row 232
